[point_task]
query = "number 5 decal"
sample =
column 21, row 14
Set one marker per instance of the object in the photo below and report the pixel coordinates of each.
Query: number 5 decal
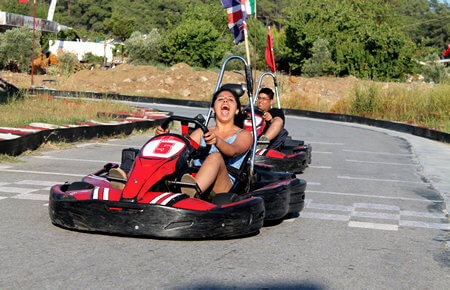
column 163, row 147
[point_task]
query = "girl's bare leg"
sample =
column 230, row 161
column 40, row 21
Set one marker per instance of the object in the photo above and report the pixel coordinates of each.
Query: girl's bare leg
column 213, row 172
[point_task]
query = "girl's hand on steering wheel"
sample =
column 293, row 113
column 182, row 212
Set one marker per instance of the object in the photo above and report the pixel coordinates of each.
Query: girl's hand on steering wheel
column 210, row 138
column 160, row 130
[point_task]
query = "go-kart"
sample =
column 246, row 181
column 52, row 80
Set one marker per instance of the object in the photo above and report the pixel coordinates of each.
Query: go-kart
column 294, row 155
column 150, row 203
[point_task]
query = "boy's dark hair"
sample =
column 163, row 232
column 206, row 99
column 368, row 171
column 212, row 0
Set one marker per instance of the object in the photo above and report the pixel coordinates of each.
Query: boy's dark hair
column 266, row 91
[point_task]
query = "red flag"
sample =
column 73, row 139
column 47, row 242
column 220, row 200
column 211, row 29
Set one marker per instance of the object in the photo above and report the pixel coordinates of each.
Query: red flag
column 22, row 1
column 270, row 58
column 447, row 52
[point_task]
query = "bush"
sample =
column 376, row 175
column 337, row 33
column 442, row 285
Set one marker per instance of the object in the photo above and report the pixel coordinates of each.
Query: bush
column 91, row 58
column 195, row 42
column 320, row 62
column 16, row 46
column 67, row 63
column 143, row 51
column 433, row 71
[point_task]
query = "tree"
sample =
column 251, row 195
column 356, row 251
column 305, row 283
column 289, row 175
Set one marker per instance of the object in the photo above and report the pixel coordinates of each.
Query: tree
column 320, row 62
column 143, row 51
column 195, row 42
column 120, row 26
column 364, row 40
column 426, row 22
column 16, row 47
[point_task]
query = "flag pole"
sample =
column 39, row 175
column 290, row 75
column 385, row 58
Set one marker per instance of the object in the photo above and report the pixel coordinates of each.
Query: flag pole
column 254, row 57
column 32, row 54
column 247, row 50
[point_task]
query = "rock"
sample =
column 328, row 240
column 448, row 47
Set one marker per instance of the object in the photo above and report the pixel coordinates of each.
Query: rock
column 186, row 93
column 142, row 79
column 163, row 91
column 169, row 81
column 128, row 80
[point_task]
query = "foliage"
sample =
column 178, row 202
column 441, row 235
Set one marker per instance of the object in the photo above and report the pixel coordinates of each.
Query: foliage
column 120, row 26
column 195, row 42
column 237, row 50
column 91, row 58
column 25, row 8
column 143, row 51
column 362, row 41
column 420, row 104
column 16, row 48
column 69, row 34
column 67, row 63
column 433, row 71
column 261, row 41
column 426, row 22
column 367, row 38
column 320, row 62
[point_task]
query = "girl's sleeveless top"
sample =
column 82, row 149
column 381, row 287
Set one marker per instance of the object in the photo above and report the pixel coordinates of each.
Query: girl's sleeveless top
column 235, row 162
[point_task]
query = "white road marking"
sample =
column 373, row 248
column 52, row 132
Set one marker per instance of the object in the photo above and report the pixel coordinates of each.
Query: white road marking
column 374, row 196
column 17, row 189
column 373, row 226
column 322, row 152
column 375, row 152
column 42, row 172
column 3, row 183
column 30, row 196
column 320, row 167
column 417, row 224
column 313, row 183
column 378, row 162
column 4, row 167
column 376, row 206
column 38, row 182
column 2, row 197
column 325, row 216
column 73, row 159
column 431, row 215
column 337, row 207
column 383, row 180
column 376, row 215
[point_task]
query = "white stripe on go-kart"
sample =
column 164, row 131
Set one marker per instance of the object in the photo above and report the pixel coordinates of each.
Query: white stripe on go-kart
column 167, row 200
column 159, row 197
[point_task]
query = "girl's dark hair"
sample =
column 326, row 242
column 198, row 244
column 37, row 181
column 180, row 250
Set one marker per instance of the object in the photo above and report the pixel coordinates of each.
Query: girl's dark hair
column 240, row 117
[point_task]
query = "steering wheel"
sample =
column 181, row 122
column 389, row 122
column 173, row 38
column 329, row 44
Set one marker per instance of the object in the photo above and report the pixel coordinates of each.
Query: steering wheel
column 184, row 122
column 257, row 110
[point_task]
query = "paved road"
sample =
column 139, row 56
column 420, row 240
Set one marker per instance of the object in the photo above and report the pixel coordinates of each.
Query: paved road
column 375, row 218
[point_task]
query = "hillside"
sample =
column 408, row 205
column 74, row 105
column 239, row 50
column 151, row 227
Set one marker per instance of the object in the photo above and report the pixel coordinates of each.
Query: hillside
column 183, row 81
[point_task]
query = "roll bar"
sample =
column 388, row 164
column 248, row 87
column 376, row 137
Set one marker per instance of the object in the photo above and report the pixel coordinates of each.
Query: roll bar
column 249, row 81
column 276, row 87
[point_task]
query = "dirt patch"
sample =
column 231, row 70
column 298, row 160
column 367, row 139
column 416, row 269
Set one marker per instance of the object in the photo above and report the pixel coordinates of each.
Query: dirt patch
column 183, row 81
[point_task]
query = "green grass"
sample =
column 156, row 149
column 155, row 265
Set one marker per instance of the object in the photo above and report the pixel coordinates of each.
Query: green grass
column 4, row 158
column 47, row 109
column 418, row 104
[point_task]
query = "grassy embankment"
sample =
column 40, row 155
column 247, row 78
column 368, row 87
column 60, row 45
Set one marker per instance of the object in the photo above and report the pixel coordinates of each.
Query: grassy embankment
column 46, row 109
column 418, row 104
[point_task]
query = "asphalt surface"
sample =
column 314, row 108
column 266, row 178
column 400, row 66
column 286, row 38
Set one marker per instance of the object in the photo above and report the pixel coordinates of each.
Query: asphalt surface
column 376, row 217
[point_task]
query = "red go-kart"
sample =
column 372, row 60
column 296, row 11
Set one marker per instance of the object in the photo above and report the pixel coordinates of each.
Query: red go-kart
column 151, row 202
